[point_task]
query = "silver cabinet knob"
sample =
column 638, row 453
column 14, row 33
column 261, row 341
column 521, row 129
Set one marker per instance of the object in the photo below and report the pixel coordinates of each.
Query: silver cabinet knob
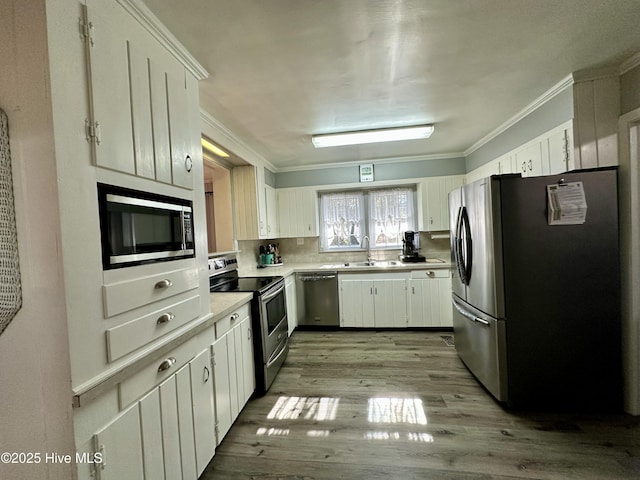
column 165, row 318
column 166, row 364
column 166, row 283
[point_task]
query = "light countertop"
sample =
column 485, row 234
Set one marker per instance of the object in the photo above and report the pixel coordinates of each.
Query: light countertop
column 223, row 303
column 286, row 269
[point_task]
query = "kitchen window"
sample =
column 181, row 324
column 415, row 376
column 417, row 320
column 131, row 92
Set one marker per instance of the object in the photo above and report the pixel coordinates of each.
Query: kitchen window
column 381, row 214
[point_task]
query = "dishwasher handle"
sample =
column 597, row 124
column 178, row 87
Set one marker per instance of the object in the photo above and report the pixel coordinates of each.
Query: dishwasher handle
column 316, row 278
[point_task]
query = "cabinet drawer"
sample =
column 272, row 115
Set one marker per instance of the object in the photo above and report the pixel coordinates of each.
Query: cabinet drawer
column 124, row 296
column 433, row 273
column 132, row 388
column 227, row 323
column 132, row 335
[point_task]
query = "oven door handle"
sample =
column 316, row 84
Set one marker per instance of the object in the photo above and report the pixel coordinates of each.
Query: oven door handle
column 270, row 295
column 278, row 353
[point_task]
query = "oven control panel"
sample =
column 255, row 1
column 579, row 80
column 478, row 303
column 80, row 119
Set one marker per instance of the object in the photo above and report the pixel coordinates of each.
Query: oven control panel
column 222, row 264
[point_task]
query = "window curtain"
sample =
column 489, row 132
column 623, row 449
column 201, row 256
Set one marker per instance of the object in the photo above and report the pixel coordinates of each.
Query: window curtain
column 390, row 214
column 342, row 220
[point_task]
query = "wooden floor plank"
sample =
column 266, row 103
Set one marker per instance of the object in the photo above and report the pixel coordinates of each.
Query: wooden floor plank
column 401, row 405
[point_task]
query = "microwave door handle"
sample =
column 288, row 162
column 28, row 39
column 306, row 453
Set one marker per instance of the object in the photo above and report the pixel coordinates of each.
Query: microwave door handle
column 183, row 233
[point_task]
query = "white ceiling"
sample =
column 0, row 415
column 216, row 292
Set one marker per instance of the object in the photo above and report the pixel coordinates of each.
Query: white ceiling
column 281, row 70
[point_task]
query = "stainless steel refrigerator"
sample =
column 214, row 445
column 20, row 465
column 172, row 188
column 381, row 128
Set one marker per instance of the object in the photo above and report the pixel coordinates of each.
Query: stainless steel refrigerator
column 536, row 305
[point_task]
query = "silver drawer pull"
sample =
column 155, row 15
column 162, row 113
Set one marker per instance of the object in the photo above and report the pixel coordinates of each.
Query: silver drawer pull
column 430, row 273
column 235, row 316
column 165, row 318
column 166, row 283
column 166, row 364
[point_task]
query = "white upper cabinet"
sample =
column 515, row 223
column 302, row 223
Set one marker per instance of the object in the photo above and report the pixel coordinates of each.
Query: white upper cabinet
column 433, row 202
column 273, row 224
column 549, row 154
column 142, row 113
column 298, row 212
column 249, row 199
column 529, row 160
column 596, row 106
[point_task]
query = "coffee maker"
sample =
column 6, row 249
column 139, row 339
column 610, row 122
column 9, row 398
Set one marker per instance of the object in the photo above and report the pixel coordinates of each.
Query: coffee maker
column 411, row 248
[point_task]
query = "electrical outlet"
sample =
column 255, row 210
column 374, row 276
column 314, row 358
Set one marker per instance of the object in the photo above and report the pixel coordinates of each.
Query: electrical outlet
column 300, row 241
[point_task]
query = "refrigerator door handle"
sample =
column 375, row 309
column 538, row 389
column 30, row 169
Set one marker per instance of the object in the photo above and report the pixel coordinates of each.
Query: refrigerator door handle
column 457, row 251
column 469, row 315
column 468, row 257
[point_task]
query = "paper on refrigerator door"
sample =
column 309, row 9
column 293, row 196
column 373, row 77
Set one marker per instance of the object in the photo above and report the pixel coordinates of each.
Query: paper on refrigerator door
column 567, row 204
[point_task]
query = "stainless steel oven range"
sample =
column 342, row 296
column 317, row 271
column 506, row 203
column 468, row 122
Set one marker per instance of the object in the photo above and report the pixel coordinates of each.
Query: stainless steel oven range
column 268, row 315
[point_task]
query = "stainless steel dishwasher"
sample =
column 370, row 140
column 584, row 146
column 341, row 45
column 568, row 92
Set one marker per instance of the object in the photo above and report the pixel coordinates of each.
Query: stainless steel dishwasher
column 317, row 296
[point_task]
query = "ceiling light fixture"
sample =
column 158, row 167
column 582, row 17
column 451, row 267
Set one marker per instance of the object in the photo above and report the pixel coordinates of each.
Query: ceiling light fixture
column 207, row 145
column 372, row 136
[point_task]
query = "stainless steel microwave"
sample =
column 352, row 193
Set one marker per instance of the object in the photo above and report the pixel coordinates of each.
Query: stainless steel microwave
column 140, row 227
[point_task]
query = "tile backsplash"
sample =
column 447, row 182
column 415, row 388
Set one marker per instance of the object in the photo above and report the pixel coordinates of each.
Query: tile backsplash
column 309, row 252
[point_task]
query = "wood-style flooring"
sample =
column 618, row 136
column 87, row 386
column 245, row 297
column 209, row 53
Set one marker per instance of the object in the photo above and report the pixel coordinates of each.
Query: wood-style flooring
column 401, row 405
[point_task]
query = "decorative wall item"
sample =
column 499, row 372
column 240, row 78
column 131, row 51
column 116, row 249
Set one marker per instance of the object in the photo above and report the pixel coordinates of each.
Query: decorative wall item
column 10, row 286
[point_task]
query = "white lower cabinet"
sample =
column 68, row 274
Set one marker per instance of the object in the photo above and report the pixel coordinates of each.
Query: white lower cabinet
column 430, row 298
column 233, row 370
column 292, row 302
column 118, row 448
column 168, row 433
column 373, row 300
column 204, row 418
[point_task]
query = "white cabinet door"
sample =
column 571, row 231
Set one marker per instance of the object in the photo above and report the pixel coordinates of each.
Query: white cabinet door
column 292, row 303
column 559, row 152
column 373, row 300
column 434, row 202
column 185, row 423
column 120, row 443
column 261, row 203
column 298, row 212
column 529, row 160
column 390, row 303
column 159, row 112
column 141, row 112
column 222, row 384
column 234, row 374
column 203, row 409
column 247, row 373
column 356, row 303
column 170, row 428
column 109, row 74
column 249, row 202
column 430, row 299
column 151, row 428
column 179, row 122
column 273, row 230
column 142, row 117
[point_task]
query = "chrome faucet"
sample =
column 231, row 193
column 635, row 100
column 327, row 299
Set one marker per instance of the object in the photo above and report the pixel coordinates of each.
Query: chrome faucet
column 366, row 237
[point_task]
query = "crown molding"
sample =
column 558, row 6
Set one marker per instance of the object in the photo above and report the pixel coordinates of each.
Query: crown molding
column 558, row 88
column 630, row 64
column 228, row 140
column 381, row 161
column 154, row 26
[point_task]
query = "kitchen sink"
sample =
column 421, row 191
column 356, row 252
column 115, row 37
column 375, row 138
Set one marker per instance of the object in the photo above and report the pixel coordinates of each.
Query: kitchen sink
column 372, row 263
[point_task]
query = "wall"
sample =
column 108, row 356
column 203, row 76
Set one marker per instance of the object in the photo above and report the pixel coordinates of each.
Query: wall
column 630, row 90
column 309, row 252
column 399, row 170
column 35, row 379
column 557, row 110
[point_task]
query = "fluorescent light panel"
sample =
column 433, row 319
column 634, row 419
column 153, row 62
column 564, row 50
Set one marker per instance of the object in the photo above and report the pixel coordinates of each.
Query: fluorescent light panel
column 372, row 136
column 207, row 145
